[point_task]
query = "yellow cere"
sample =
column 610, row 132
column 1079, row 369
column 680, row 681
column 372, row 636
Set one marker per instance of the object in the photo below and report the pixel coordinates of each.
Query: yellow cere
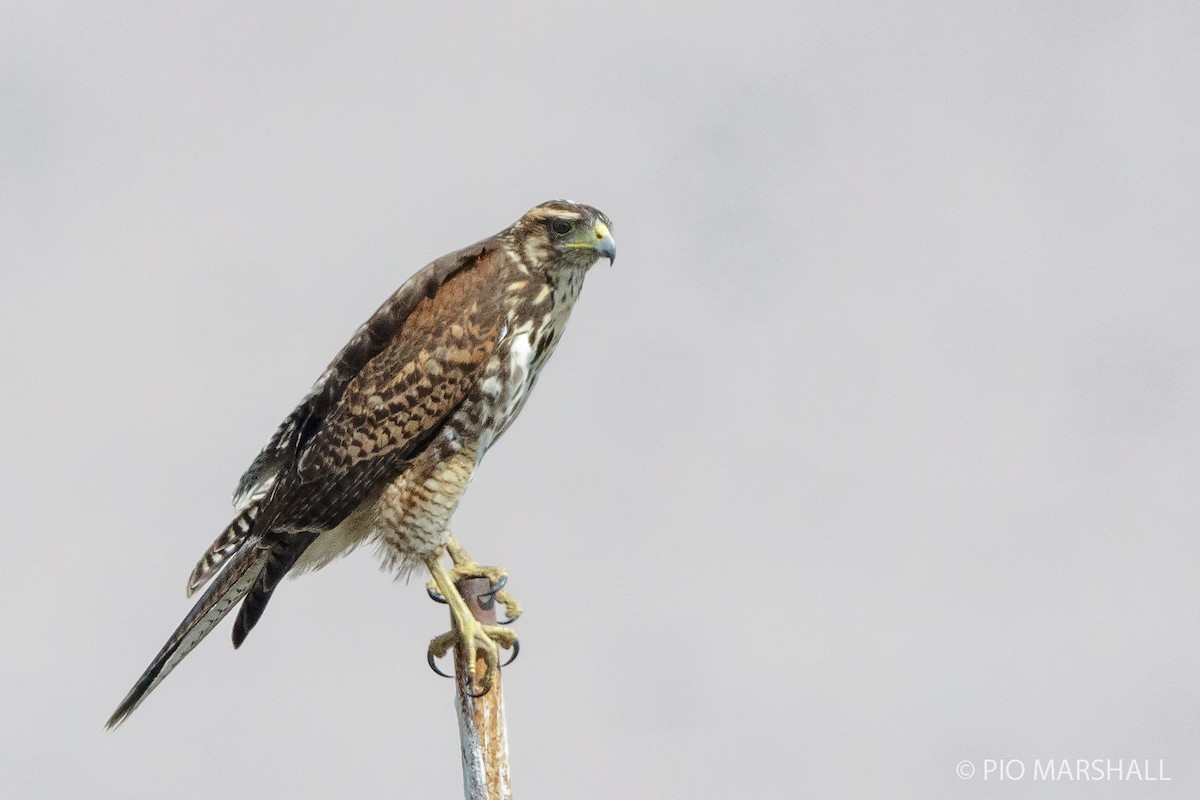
column 601, row 230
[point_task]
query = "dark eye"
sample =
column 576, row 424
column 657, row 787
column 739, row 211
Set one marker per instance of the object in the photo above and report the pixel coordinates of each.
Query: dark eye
column 560, row 226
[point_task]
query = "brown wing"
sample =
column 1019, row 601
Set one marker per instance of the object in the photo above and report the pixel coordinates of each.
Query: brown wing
column 399, row 400
column 406, row 391
column 322, row 429
column 375, row 336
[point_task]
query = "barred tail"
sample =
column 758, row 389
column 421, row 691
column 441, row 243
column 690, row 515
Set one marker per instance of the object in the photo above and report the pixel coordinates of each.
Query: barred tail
column 225, row 545
column 232, row 584
column 282, row 557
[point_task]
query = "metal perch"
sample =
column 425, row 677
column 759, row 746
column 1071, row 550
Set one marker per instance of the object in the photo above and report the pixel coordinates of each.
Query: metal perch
column 481, row 728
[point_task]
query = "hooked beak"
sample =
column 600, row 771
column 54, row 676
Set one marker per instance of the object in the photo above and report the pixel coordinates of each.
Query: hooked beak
column 604, row 245
column 600, row 239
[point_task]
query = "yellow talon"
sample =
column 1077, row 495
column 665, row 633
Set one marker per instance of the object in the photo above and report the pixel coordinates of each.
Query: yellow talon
column 479, row 640
column 466, row 567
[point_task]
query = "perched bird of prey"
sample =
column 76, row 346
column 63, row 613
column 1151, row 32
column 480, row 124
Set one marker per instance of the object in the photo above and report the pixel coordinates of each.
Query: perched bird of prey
column 383, row 446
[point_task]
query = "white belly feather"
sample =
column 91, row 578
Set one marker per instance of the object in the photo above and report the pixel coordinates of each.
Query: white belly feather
column 507, row 394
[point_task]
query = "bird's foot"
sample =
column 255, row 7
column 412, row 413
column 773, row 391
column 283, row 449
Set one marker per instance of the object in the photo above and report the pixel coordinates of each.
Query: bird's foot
column 478, row 640
column 466, row 567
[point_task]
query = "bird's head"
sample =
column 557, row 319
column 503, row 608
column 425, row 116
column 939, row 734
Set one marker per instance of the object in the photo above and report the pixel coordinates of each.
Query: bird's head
column 560, row 234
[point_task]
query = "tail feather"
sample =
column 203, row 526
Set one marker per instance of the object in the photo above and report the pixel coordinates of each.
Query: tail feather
column 232, row 584
column 222, row 548
column 283, row 556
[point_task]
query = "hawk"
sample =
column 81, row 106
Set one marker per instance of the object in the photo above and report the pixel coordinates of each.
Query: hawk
column 384, row 444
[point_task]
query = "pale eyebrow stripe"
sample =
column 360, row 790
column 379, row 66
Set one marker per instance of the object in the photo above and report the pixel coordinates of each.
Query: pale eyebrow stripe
column 544, row 213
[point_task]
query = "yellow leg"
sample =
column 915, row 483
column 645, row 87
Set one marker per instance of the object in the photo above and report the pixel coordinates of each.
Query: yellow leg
column 478, row 639
column 466, row 567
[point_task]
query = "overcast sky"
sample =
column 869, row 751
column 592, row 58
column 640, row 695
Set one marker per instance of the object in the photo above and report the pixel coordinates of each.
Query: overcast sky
column 875, row 452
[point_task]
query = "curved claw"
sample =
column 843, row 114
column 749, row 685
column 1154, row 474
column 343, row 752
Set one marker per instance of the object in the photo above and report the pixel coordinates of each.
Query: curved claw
column 433, row 665
column 434, row 596
column 496, row 587
column 516, row 652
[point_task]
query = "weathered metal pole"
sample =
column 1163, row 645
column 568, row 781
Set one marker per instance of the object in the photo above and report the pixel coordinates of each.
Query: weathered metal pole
column 481, row 729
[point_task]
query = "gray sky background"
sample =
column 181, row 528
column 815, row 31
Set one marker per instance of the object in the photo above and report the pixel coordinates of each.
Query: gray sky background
column 877, row 449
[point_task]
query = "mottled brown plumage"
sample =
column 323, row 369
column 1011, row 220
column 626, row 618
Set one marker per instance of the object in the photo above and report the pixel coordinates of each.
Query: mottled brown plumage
column 383, row 446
